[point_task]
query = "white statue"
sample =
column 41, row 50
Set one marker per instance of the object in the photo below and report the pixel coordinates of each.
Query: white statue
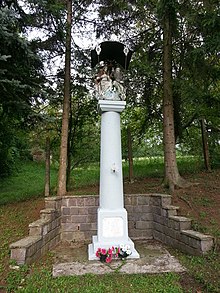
column 109, row 83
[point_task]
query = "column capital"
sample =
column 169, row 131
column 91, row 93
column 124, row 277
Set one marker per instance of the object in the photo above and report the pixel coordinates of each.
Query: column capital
column 113, row 106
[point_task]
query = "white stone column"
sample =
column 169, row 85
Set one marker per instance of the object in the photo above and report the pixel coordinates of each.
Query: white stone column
column 111, row 178
column 112, row 225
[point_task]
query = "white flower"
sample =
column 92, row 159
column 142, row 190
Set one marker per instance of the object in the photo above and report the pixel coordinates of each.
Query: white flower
column 128, row 251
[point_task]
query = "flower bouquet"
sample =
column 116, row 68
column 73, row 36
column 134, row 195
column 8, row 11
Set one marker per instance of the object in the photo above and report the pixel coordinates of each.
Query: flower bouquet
column 124, row 251
column 106, row 255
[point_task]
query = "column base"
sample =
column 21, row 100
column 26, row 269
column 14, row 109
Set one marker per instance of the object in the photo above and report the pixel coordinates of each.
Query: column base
column 92, row 248
column 112, row 231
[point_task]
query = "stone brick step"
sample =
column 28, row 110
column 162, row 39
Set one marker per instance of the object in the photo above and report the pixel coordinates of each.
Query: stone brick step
column 169, row 210
column 24, row 249
column 179, row 223
column 197, row 240
column 49, row 214
column 39, row 227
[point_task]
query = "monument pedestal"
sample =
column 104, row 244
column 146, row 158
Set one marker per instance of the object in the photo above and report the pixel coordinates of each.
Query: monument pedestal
column 112, row 216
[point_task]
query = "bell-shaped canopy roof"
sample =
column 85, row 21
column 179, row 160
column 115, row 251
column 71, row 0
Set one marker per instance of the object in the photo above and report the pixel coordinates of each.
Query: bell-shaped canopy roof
column 111, row 51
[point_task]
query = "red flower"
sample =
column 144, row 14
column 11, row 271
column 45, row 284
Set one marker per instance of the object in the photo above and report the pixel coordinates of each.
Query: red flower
column 108, row 259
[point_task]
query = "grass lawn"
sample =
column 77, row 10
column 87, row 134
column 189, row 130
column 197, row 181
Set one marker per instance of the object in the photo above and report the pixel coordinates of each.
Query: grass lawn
column 21, row 199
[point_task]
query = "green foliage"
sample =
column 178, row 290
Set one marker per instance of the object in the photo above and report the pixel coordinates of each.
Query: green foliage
column 26, row 183
column 43, row 281
column 20, row 76
column 204, row 269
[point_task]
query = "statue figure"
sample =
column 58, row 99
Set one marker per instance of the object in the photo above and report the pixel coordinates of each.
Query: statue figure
column 109, row 82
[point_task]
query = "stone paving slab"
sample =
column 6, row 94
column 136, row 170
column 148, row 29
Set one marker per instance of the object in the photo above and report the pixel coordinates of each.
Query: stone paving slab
column 154, row 258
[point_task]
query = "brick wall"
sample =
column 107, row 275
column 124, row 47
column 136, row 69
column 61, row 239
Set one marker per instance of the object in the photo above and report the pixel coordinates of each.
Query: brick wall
column 79, row 217
column 74, row 219
column 43, row 234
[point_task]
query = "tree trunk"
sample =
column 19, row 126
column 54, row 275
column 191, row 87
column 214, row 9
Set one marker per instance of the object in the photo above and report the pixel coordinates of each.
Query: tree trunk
column 130, row 156
column 47, row 167
column 69, row 155
column 205, row 145
column 172, row 177
column 61, row 189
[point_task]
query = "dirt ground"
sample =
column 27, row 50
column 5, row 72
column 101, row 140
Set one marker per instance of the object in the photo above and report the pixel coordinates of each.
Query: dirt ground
column 201, row 202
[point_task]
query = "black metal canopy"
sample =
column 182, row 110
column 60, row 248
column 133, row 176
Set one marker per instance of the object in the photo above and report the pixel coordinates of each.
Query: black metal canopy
column 111, row 51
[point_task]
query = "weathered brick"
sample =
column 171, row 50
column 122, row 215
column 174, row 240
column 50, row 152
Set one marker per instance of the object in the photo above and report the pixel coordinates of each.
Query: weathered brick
column 169, row 232
column 195, row 243
column 55, row 223
column 128, row 200
column 155, row 201
column 50, row 204
column 65, row 202
column 67, row 227
column 158, row 236
column 83, row 211
column 53, row 202
column 179, row 223
column 146, row 217
column 97, row 201
column 90, row 201
column 129, row 209
column 133, row 217
column 160, row 219
column 34, row 257
column 131, row 224
column 91, row 218
column 79, row 219
column 74, row 210
column 166, row 200
column 169, row 210
column 72, row 202
column 173, row 224
column 131, row 199
column 80, row 201
column 85, row 227
column 187, row 249
column 156, row 210
column 35, row 231
column 143, row 200
column 93, row 227
column 206, row 245
column 143, row 225
column 146, row 208
column 158, row 227
column 92, row 210
column 137, row 209
column 19, row 255
column 52, row 234
column 48, row 214
column 65, row 211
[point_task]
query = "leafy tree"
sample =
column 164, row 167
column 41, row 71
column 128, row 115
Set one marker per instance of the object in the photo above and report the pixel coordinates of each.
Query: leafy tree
column 21, row 77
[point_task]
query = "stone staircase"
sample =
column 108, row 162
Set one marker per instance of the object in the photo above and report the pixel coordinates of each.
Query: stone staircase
column 176, row 231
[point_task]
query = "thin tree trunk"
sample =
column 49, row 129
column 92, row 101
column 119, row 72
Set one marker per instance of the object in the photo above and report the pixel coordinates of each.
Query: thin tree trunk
column 172, row 177
column 130, row 156
column 205, row 145
column 47, row 167
column 61, row 189
column 69, row 155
